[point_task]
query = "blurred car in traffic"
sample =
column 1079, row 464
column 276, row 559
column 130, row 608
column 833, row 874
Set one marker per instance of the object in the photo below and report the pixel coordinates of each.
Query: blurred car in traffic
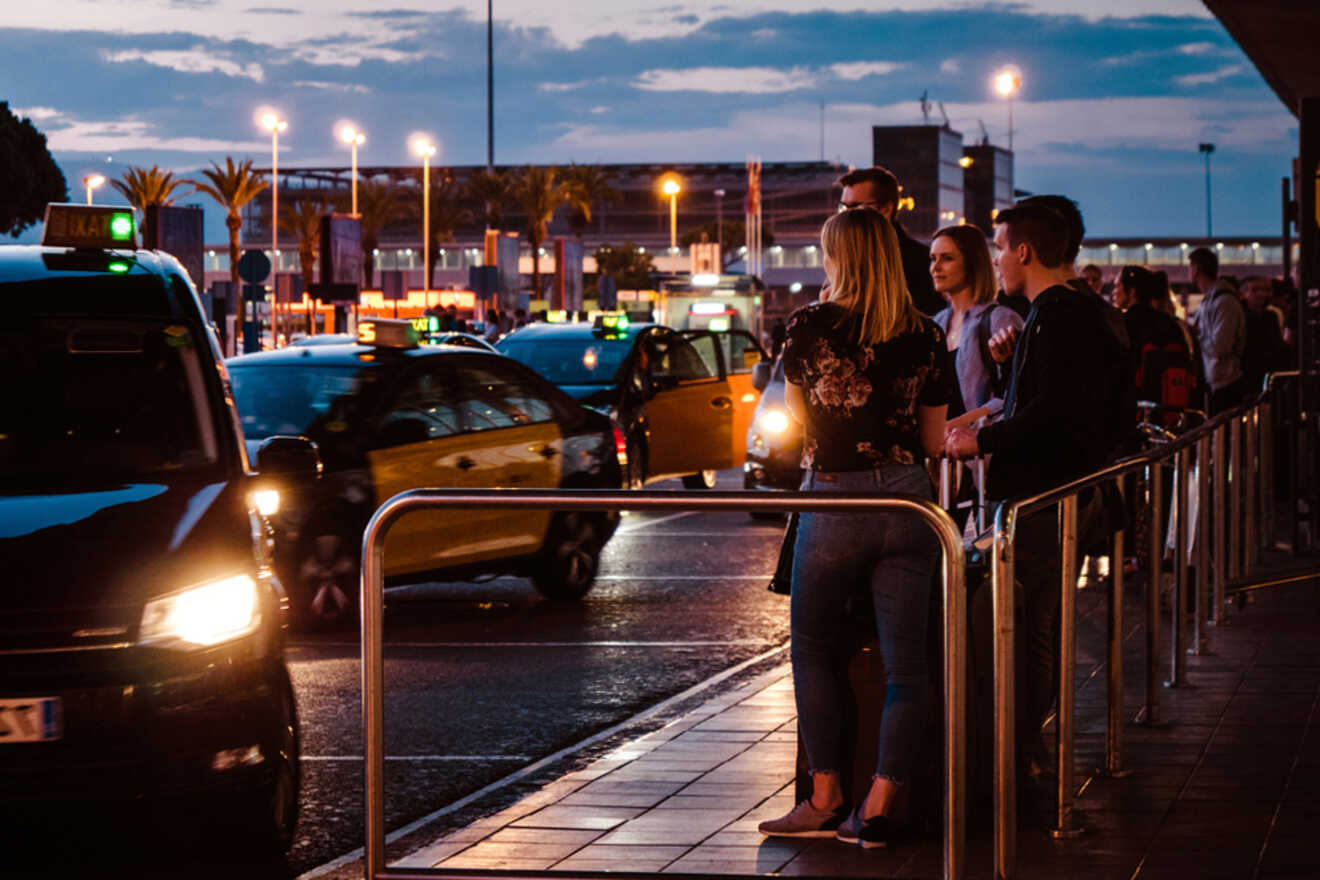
column 389, row 415
column 441, row 337
column 774, row 439
column 684, row 399
column 141, row 628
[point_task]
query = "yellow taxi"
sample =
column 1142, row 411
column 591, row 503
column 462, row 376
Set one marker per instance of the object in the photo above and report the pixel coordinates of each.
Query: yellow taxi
column 388, row 415
column 684, row 398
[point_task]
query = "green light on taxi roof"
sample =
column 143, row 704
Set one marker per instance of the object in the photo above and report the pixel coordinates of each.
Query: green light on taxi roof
column 121, row 228
column 118, row 268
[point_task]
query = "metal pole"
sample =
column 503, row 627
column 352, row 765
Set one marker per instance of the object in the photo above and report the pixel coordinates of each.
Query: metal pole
column 673, row 222
column 1064, row 824
column 980, row 494
column 274, row 236
column 1178, row 507
column 1202, row 541
column 1114, row 721
column 353, row 175
column 426, row 226
column 1235, row 499
column 1267, row 472
column 490, row 88
column 372, row 598
column 1208, row 233
column 1150, row 713
column 1250, row 534
column 946, row 484
column 1219, row 554
column 1005, row 771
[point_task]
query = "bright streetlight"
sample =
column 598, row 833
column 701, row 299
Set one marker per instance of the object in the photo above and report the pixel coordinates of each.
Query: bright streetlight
column 1008, row 82
column 671, row 188
column 92, row 181
column 422, row 146
column 274, row 123
column 354, row 138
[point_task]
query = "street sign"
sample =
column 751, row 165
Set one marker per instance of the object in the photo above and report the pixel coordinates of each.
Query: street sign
column 178, row 231
column 253, row 266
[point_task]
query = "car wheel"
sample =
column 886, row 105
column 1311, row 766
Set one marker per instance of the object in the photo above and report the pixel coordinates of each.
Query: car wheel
column 764, row 516
column 635, row 478
column 326, row 582
column 569, row 564
column 270, row 813
column 700, row 480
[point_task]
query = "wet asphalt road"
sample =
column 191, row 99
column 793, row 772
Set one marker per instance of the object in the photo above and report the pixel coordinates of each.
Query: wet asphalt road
column 483, row 679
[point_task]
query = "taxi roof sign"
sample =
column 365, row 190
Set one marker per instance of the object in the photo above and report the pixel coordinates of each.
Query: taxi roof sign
column 94, row 227
column 387, row 333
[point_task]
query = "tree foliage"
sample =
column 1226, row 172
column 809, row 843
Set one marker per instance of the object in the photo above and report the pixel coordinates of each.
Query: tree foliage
column 148, row 186
column 302, row 220
column 449, row 211
column 231, row 187
column 29, row 177
column 588, row 187
column 538, row 191
column 629, row 266
column 380, row 203
column 492, row 192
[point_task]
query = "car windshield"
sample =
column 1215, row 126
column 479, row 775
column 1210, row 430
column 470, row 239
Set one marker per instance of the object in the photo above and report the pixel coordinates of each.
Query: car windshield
column 586, row 361
column 94, row 399
column 310, row 400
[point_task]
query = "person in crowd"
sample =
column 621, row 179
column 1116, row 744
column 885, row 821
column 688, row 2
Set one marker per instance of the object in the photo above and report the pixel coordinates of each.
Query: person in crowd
column 877, row 188
column 1265, row 351
column 1221, row 328
column 868, row 379
column 493, row 321
column 1094, row 278
column 1158, row 343
column 1053, row 430
column 962, row 272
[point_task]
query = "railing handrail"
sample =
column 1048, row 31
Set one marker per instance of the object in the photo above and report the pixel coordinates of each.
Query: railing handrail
column 372, row 596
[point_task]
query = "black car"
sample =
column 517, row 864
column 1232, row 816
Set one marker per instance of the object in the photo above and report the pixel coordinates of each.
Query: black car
column 141, row 628
column 684, row 399
column 390, row 416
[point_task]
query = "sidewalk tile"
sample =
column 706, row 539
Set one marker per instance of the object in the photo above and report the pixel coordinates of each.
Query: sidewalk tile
column 594, row 817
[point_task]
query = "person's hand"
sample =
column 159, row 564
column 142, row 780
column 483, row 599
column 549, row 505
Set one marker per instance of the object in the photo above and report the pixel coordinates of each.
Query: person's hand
column 961, row 443
column 824, row 292
column 1002, row 344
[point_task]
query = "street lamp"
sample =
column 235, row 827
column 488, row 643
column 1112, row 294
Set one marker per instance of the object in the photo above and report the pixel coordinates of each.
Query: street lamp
column 719, row 222
column 1207, row 149
column 671, row 188
column 423, row 147
column 92, row 181
column 1008, row 82
column 354, row 138
column 273, row 123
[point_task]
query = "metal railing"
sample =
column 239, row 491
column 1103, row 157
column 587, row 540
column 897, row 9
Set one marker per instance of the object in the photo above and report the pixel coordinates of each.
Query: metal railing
column 373, row 664
column 1241, row 488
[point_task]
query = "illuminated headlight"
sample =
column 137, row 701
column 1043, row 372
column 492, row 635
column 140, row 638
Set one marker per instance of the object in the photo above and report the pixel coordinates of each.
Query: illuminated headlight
column 267, row 501
column 774, row 421
column 205, row 615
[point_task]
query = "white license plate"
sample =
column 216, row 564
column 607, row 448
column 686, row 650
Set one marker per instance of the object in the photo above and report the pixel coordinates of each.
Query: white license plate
column 34, row 719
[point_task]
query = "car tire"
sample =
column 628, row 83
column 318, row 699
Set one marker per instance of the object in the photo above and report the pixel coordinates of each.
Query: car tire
column 268, row 815
column 763, row 516
column 567, row 568
column 635, row 476
column 700, row 480
column 324, row 594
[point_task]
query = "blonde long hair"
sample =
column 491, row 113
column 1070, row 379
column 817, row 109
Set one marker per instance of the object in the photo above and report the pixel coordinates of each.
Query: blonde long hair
column 868, row 274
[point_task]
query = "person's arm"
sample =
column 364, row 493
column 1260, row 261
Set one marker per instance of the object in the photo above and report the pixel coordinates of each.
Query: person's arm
column 1066, row 361
column 796, row 402
column 931, row 421
column 1222, row 327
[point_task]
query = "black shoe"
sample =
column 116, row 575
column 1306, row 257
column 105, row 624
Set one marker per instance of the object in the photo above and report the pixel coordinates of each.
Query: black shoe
column 870, row 833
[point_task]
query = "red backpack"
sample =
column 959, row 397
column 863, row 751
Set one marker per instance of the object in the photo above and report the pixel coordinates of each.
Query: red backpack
column 1164, row 376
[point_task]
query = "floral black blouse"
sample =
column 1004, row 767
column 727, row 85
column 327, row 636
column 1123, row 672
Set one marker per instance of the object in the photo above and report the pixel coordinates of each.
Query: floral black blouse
column 862, row 401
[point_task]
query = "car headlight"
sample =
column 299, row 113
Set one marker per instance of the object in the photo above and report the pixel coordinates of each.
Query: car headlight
column 775, row 421
column 201, row 616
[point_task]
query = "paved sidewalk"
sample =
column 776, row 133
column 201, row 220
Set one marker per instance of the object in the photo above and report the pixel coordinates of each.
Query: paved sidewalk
column 1231, row 788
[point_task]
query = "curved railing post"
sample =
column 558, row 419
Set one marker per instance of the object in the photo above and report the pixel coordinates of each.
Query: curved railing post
column 1005, row 771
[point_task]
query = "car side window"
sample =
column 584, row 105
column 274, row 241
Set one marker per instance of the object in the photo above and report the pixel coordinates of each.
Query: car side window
column 423, row 409
column 677, row 359
column 741, row 352
column 490, row 397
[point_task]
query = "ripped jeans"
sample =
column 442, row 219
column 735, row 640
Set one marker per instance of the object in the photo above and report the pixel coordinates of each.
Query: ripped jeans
column 896, row 554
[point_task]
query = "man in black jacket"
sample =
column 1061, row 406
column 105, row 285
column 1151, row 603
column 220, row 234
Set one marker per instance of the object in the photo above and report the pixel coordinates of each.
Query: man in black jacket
column 877, row 188
column 1054, row 430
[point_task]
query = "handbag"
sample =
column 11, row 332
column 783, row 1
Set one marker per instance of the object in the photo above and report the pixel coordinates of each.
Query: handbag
column 782, row 581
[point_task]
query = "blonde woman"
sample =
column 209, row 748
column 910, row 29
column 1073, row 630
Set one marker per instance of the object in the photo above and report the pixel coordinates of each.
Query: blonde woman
column 867, row 377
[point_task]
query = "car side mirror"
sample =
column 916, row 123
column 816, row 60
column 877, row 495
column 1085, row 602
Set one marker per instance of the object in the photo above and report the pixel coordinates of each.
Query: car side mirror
column 761, row 375
column 285, row 456
column 662, row 383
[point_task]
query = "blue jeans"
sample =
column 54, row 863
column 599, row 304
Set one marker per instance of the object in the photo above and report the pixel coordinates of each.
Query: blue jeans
column 895, row 554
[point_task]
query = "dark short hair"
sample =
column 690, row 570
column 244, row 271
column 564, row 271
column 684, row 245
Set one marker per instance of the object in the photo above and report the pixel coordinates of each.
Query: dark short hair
column 884, row 181
column 1146, row 286
column 1089, row 266
column 1072, row 216
column 1040, row 226
column 1206, row 262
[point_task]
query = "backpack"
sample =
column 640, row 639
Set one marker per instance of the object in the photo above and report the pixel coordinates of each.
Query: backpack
column 998, row 375
column 1164, row 376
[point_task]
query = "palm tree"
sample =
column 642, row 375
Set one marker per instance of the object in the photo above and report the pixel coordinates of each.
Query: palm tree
column 588, row 187
column 148, row 186
column 232, row 187
column 448, row 212
column 492, row 191
column 539, row 192
column 302, row 220
column 379, row 205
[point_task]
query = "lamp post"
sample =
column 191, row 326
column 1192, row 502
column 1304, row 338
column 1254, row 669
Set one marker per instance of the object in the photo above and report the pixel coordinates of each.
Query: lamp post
column 273, row 123
column 354, row 138
column 671, row 188
column 719, row 224
column 1207, row 149
column 92, row 181
column 1008, row 82
column 423, row 147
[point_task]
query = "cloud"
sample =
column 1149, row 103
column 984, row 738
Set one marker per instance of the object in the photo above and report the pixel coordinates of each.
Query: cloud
column 37, row 114
column 123, row 135
column 553, row 87
column 1213, row 76
column 746, row 80
column 950, row 66
column 331, row 86
column 271, row 10
column 1198, row 49
column 196, row 60
column 855, row 70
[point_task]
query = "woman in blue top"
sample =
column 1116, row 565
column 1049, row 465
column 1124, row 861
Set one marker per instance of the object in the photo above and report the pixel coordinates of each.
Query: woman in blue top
column 867, row 376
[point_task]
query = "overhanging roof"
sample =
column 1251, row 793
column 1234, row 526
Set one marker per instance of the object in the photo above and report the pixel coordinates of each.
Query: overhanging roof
column 1280, row 37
